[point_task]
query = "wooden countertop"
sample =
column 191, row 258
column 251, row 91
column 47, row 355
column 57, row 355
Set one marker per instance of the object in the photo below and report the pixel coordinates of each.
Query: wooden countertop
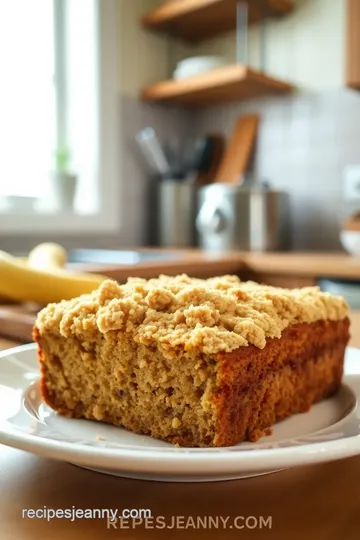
column 318, row 502
column 338, row 265
column 197, row 262
column 190, row 261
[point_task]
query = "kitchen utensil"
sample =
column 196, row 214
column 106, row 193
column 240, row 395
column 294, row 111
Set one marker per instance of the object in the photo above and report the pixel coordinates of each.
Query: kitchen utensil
column 204, row 160
column 176, row 213
column 194, row 156
column 153, row 152
column 173, row 152
column 238, row 152
column 210, row 160
column 246, row 218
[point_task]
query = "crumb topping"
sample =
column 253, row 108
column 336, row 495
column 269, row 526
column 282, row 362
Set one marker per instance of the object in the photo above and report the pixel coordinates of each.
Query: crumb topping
column 180, row 313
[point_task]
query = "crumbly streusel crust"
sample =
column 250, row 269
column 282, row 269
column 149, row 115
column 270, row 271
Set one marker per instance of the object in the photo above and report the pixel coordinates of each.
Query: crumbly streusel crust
column 183, row 314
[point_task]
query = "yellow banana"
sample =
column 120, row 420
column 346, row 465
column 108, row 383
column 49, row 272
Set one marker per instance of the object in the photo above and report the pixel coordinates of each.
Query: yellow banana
column 46, row 256
column 20, row 282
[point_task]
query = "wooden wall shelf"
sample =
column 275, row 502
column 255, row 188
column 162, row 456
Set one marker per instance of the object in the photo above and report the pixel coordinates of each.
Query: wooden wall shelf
column 195, row 20
column 230, row 83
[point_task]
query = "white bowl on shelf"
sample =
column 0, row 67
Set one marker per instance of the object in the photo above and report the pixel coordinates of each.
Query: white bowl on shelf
column 197, row 65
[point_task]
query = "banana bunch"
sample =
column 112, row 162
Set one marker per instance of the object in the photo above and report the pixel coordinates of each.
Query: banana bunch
column 41, row 278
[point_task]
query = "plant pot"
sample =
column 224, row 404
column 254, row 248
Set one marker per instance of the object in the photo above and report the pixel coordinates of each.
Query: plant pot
column 64, row 188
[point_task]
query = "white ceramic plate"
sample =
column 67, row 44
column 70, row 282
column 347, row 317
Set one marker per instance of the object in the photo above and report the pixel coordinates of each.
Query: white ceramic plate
column 331, row 430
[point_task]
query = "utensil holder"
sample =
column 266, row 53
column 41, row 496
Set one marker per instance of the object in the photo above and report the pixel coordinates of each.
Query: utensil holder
column 177, row 208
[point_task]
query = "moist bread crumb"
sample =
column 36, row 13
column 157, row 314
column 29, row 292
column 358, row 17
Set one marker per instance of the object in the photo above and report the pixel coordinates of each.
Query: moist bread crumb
column 194, row 362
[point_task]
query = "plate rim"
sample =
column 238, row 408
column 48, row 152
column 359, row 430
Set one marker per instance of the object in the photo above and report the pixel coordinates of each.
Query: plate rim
column 199, row 461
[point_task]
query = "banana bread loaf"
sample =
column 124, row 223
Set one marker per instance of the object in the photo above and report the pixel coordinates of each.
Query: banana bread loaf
column 193, row 362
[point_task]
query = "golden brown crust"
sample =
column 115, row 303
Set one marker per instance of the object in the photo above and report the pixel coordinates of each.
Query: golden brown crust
column 260, row 387
column 181, row 314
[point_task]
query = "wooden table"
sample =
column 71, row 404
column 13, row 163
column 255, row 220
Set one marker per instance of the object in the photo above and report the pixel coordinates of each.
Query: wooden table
column 319, row 502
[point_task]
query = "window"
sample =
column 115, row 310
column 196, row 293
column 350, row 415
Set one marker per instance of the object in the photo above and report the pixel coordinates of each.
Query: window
column 58, row 92
column 27, row 96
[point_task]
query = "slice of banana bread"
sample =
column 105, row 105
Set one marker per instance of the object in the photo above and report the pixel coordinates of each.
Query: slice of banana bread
column 194, row 362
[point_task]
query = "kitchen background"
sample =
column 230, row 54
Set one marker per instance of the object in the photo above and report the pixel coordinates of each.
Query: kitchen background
column 306, row 139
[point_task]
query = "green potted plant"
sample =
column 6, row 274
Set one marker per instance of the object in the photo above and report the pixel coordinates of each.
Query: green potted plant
column 64, row 180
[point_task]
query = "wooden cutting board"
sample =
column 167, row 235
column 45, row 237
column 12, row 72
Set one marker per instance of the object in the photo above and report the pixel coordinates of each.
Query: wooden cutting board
column 238, row 153
column 17, row 320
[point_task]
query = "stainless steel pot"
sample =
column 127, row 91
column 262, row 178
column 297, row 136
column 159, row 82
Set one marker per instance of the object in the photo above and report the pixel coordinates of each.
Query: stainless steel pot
column 242, row 217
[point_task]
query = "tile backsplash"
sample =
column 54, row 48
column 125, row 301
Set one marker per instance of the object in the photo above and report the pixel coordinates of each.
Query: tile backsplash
column 305, row 142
